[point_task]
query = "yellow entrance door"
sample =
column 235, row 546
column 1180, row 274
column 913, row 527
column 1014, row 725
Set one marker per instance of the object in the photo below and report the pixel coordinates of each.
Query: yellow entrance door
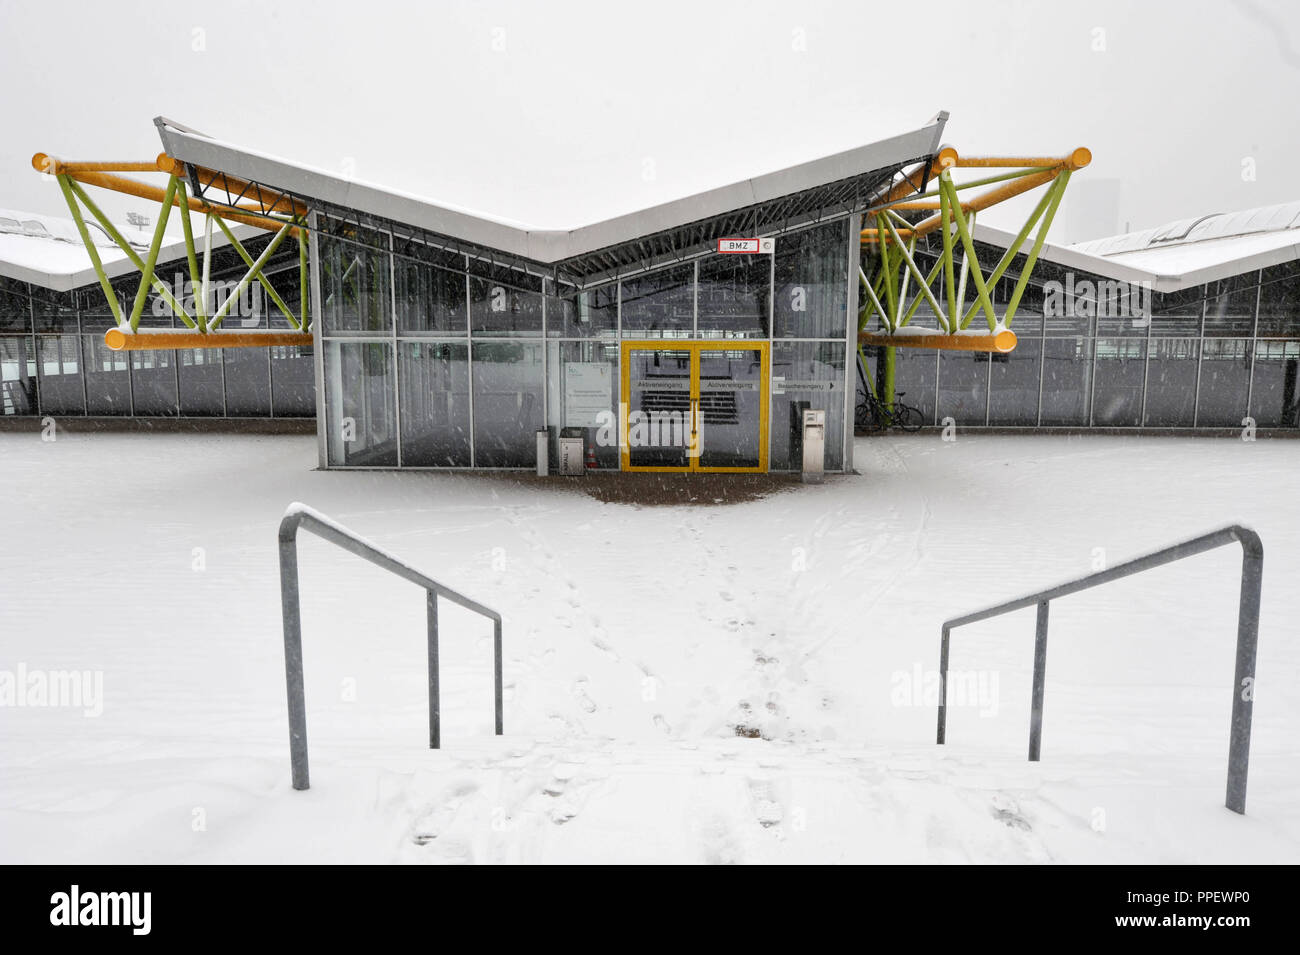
column 695, row 406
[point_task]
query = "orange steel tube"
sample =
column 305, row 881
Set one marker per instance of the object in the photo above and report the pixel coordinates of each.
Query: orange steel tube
column 118, row 340
column 58, row 167
column 143, row 190
column 1075, row 161
column 1000, row 342
column 1000, row 194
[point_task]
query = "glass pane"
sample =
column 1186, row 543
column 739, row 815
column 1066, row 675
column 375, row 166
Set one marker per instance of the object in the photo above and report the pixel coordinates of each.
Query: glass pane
column 915, row 372
column 1230, row 308
column 729, row 423
column 734, row 296
column 248, row 382
column 963, row 387
column 356, row 287
column 1171, row 383
column 1275, row 395
column 507, row 404
column 660, row 304
column 201, row 389
column 1067, row 381
column 1117, row 394
column 589, row 314
column 433, row 378
column 813, row 379
column 108, row 383
column 659, row 407
column 17, row 376
column 362, row 423
column 1279, row 300
column 15, row 309
column 812, row 275
column 153, row 383
column 62, row 387
column 1225, row 379
column 293, row 381
column 1013, row 384
column 497, row 309
column 429, row 299
column 583, row 393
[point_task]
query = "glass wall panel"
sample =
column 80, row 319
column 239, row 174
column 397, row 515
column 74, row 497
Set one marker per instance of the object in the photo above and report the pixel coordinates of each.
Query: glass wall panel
column 963, row 387
column 500, row 310
column 592, row 313
column 915, row 373
column 1117, row 392
column 361, row 428
column 15, row 308
column 433, row 382
column 1275, row 395
column 1225, row 381
column 1279, row 300
column 356, row 287
column 1067, row 381
column 812, row 273
column 153, row 383
column 1230, row 307
column 1178, row 314
column 62, row 387
column 659, row 407
column 814, row 379
column 583, row 382
column 507, row 403
column 734, row 296
column 17, row 375
column 201, row 387
column 660, row 304
column 248, row 381
column 430, row 300
column 1171, row 383
column 293, row 381
column 1013, row 384
column 108, row 382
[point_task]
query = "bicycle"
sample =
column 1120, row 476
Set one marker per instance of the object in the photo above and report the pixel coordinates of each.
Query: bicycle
column 872, row 414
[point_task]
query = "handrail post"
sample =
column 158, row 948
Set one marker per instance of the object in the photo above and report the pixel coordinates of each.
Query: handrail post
column 293, row 659
column 496, row 653
column 435, row 700
column 1243, row 688
column 1040, row 677
column 943, row 688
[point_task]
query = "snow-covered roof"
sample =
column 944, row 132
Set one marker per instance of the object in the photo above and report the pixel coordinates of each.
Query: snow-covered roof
column 1184, row 253
column 542, row 245
column 48, row 251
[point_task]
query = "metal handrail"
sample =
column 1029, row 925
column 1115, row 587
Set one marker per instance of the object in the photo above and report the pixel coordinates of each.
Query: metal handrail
column 1252, row 575
column 301, row 516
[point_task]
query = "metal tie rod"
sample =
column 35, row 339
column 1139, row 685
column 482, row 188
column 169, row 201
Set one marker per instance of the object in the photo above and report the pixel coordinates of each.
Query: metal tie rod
column 1252, row 576
column 300, row 516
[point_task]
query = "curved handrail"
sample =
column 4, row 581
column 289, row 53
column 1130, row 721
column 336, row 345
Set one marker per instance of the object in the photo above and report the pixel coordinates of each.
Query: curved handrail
column 1252, row 575
column 301, row 517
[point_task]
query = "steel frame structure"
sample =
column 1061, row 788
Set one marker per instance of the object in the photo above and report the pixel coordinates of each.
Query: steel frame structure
column 890, row 247
column 221, row 199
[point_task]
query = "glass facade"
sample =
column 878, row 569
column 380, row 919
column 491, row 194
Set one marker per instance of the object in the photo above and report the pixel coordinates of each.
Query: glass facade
column 435, row 358
column 53, row 360
column 1092, row 352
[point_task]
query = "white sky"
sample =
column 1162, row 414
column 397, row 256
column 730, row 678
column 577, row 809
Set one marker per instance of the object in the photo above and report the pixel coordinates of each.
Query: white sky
column 593, row 109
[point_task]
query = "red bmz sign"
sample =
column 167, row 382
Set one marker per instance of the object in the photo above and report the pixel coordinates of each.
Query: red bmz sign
column 746, row 246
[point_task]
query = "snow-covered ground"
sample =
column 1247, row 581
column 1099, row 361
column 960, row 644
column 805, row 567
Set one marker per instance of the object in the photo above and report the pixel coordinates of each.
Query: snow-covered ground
column 637, row 639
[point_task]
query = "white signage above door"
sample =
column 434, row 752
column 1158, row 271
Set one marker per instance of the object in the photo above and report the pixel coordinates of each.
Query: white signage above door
column 747, row 246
